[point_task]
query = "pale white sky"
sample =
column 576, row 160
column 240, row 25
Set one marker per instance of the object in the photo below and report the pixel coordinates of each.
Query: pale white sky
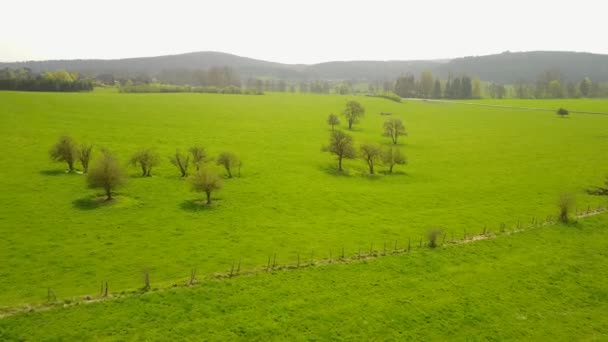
column 304, row 31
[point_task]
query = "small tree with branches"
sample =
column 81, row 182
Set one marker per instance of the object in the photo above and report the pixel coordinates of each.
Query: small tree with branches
column 84, row 155
column 333, row 120
column 371, row 154
column 199, row 156
column 393, row 156
column 181, row 161
column 229, row 161
column 146, row 159
column 353, row 113
column 341, row 144
column 65, row 150
column 394, row 128
column 207, row 181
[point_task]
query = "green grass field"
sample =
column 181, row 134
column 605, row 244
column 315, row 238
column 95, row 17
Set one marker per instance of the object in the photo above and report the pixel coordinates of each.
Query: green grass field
column 469, row 167
column 545, row 284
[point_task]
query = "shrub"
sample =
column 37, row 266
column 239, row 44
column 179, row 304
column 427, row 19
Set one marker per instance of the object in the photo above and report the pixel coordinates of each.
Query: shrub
column 433, row 235
column 106, row 174
column 565, row 204
column 562, row 112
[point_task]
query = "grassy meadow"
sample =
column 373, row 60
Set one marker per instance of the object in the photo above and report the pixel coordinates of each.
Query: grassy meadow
column 469, row 167
column 545, row 284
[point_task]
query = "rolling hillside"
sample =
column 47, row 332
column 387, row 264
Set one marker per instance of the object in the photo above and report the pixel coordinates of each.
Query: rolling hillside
column 506, row 67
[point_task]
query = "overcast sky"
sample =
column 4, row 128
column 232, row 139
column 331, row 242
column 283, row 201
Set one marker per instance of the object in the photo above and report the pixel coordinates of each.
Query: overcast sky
column 305, row 31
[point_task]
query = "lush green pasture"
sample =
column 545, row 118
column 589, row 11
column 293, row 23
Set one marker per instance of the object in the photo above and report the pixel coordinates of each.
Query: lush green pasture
column 469, row 167
column 546, row 284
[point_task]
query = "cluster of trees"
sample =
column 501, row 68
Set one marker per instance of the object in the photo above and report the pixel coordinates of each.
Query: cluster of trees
column 428, row 86
column 315, row 87
column 24, row 80
column 131, row 87
column 551, row 84
column 219, row 77
column 108, row 174
column 343, row 147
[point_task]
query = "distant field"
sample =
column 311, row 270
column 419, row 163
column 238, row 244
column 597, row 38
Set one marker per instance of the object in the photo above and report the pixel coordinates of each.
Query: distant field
column 469, row 167
column 589, row 105
column 546, row 284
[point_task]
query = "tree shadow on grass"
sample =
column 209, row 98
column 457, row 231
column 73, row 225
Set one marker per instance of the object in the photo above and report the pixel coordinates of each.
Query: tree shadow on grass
column 56, row 172
column 394, row 173
column 91, row 202
column 375, row 176
column 572, row 223
column 196, row 205
column 98, row 201
column 332, row 170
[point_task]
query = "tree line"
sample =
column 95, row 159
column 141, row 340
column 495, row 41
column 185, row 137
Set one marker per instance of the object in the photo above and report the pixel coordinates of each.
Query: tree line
column 24, row 79
column 342, row 144
column 548, row 84
column 108, row 174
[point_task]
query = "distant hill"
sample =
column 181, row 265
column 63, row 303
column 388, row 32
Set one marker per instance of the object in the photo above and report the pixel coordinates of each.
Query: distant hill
column 510, row 67
column 501, row 68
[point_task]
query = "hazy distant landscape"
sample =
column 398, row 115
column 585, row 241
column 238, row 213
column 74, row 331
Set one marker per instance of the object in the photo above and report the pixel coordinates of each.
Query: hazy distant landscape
column 393, row 178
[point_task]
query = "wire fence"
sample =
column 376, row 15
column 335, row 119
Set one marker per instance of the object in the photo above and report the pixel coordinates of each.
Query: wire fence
column 439, row 239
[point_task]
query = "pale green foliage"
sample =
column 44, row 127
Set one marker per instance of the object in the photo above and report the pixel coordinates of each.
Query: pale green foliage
column 394, row 128
column 65, row 150
column 426, row 83
column 61, row 75
column 106, row 173
column 205, row 180
column 393, row 156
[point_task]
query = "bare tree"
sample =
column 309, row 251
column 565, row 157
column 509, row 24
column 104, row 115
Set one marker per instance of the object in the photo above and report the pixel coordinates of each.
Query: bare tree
column 333, row 120
column 372, row 154
column 84, row 155
column 353, row 113
column 146, row 159
column 393, row 156
column 341, row 144
column 106, row 174
column 199, row 156
column 394, row 128
column 207, row 181
column 229, row 161
column 181, row 161
column 65, row 150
